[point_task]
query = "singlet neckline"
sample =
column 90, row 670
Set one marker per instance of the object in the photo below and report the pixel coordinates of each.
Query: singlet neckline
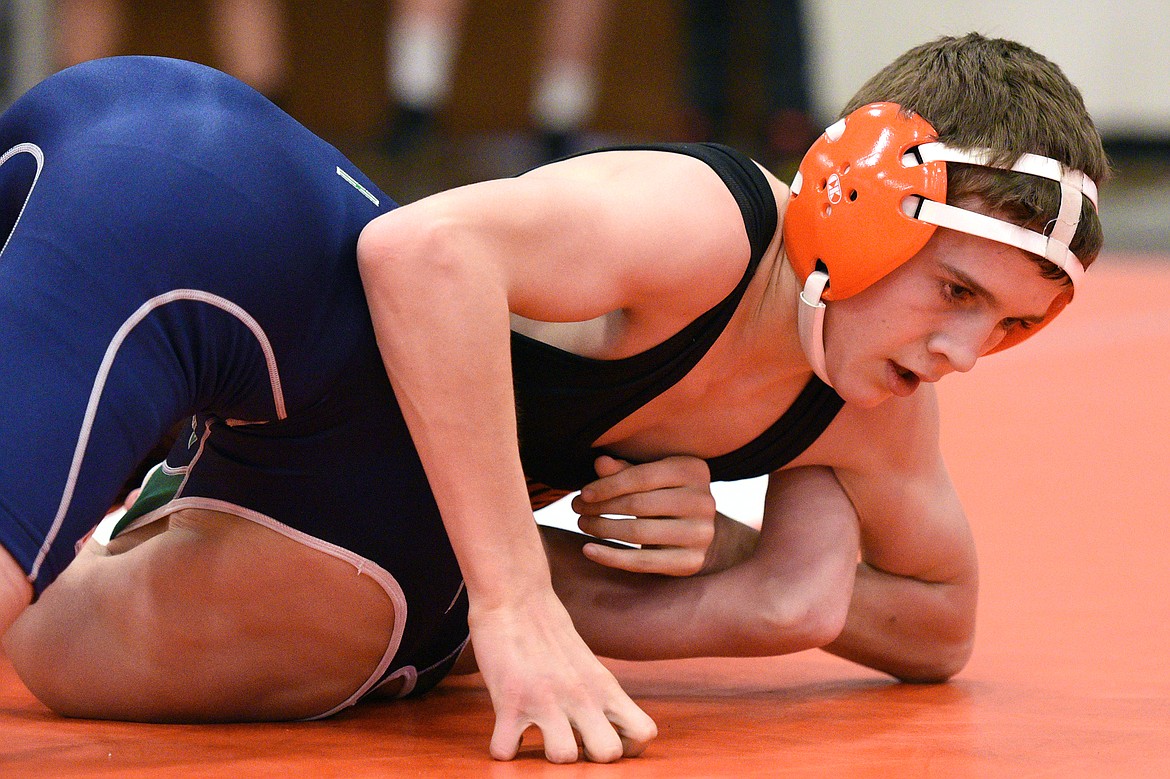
column 633, row 381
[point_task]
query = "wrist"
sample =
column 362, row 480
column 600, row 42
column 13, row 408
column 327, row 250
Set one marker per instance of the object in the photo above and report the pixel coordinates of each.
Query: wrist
column 503, row 561
column 523, row 591
column 511, row 618
column 732, row 543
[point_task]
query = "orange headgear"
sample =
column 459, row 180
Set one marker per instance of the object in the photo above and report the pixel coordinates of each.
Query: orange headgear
column 871, row 192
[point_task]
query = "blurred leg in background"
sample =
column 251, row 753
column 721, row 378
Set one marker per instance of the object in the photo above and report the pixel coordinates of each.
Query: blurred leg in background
column 789, row 126
column 565, row 91
column 249, row 38
column 707, row 35
column 422, row 50
column 422, row 43
column 782, row 128
column 88, row 29
column 251, row 43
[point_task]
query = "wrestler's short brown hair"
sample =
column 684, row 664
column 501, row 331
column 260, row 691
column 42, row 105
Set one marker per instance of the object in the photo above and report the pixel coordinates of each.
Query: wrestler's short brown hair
column 991, row 93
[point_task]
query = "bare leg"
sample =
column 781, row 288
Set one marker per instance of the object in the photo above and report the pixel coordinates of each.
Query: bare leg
column 202, row 617
column 88, row 29
column 15, row 590
column 250, row 39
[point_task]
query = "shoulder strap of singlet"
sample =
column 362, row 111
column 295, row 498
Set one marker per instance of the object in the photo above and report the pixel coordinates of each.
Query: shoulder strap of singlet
column 743, row 178
column 581, row 398
column 757, row 204
column 818, row 404
column 796, row 430
column 637, row 379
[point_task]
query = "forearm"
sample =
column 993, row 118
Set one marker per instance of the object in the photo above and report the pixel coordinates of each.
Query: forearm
column 736, row 613
column 442, row 277
column 914, row 630
column 791, row 594
column 15, row 590
column 635, row 616
column 443, row 330
column 732, row 543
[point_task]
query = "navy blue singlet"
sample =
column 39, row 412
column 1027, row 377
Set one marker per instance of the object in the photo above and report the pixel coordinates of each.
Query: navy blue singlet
column 177, row 245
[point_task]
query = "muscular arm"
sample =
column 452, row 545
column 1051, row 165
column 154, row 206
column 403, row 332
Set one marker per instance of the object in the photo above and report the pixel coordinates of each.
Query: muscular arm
column 441, row 277
column 906, row 608
column 913, row 609
column 791, row 594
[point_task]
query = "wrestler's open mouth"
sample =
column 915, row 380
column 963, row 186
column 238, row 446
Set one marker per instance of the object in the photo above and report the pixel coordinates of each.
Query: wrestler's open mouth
column 903, row 381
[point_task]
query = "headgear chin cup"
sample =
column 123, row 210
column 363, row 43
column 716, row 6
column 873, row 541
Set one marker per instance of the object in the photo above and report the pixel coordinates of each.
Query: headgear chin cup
column 871, row 192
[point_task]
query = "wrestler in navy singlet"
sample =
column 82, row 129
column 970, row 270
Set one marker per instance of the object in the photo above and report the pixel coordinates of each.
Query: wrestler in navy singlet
column 177, row 245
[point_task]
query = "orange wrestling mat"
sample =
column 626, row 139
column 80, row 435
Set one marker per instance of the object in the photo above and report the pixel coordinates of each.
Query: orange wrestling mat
column 1060, row 451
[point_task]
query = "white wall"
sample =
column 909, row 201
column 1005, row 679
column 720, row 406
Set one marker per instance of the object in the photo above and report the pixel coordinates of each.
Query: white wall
column 1116, row 51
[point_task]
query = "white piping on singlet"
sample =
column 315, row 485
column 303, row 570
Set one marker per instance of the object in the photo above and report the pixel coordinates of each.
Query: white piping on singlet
column 380, row 575
column 103, row 373
column 362, row 565
column 39, row 156
column 191, row 465
column 409, row 675
column 455, row 600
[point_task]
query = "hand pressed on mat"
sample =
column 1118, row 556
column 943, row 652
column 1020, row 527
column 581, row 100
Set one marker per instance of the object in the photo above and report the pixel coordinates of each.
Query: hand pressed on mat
column 540, row 672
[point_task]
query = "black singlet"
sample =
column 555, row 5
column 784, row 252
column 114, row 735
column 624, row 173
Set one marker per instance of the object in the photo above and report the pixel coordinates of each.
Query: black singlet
column 565, row 402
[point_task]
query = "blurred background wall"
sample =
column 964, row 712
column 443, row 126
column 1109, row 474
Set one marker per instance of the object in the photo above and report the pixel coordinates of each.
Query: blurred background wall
column 1118, row 53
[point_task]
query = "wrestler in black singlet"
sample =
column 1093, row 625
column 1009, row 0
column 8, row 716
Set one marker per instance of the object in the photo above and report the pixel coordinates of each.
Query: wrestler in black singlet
column 566, row 402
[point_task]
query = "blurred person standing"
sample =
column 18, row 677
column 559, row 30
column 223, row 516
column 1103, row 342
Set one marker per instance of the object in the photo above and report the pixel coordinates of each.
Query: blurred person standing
column 784, row 127
column 422, row 47
column 249, row 37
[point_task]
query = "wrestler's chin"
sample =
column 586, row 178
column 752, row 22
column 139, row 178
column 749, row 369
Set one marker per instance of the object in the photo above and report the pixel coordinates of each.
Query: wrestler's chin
column 871, row 400
column 872, row 391
column 863, row 396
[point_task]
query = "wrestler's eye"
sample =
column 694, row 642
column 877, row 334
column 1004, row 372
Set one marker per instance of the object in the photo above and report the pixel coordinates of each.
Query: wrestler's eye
column 1011, row 323
column 956, row 293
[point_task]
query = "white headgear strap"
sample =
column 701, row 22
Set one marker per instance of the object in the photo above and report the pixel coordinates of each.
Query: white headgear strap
column 811, row 322
column 1054, row 247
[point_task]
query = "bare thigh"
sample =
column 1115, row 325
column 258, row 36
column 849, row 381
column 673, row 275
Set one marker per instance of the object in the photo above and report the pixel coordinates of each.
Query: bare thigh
column 202, row 617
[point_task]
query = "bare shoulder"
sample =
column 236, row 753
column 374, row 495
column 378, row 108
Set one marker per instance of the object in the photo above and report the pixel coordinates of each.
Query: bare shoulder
column 623, row 230
column 673, row 209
